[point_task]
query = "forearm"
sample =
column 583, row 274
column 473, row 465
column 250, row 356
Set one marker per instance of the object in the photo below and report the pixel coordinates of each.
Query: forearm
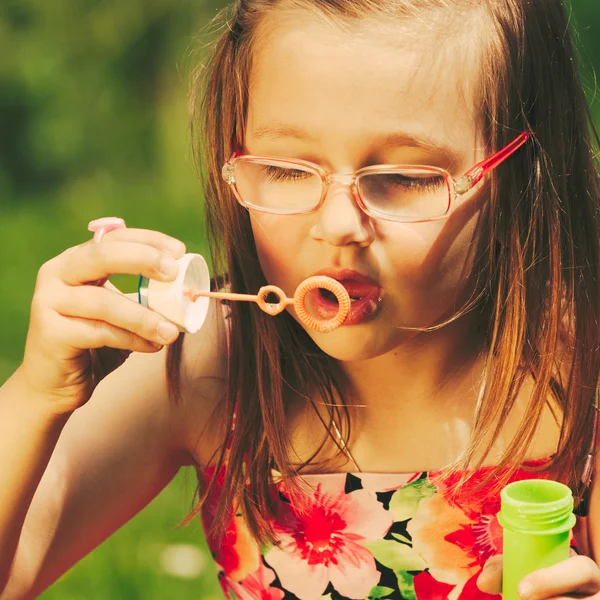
column 28, row 436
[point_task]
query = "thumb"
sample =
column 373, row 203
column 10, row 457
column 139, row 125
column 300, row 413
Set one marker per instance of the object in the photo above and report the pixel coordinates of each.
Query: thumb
column 490, row 580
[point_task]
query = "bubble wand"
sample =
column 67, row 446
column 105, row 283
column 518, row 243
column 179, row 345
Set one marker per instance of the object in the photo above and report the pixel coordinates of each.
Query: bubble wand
column 185, row 301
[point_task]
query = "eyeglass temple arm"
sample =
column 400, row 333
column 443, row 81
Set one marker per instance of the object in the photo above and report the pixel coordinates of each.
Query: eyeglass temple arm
column 476, row 173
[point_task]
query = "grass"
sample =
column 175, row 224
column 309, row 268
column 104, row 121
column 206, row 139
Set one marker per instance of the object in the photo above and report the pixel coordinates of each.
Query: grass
column 128, row 565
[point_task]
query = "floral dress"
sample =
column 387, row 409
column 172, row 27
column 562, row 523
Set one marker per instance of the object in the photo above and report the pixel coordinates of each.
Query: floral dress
column 371, row 536
column 368, row 535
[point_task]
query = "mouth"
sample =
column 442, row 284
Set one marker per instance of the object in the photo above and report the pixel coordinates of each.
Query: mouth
column 365, row 297
column 354, row 296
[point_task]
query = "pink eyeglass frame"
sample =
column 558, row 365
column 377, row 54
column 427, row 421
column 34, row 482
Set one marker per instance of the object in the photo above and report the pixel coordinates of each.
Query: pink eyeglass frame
column 456, row 187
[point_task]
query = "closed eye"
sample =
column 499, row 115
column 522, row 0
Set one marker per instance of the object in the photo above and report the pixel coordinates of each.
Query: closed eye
column 274, row 174
column 423, row 183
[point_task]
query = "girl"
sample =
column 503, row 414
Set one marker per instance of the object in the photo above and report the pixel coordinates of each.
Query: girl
column 340, row 138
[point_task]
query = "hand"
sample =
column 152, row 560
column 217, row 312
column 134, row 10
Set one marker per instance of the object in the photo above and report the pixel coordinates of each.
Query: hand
column 81, row 326
column 578, row 576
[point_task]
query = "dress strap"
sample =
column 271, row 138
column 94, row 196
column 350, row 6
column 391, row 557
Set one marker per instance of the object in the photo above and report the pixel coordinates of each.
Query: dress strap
column 344, row 446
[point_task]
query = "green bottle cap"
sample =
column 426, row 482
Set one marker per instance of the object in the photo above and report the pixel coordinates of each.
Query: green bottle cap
column 536, row 506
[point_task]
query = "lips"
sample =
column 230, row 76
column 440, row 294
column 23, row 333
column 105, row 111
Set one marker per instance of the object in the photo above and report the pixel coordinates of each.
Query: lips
column 365, row 296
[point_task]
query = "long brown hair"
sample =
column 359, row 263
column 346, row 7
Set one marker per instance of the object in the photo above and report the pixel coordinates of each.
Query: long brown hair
column 538, row 272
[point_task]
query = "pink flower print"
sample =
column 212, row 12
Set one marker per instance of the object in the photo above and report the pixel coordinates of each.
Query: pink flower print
column 321, row 541
column 382, row 482
column 237, row 551
column 428, row 588
column 474, row 501
column 480, row 539
column 432, row 529
column 373, row 482
column 257, row 586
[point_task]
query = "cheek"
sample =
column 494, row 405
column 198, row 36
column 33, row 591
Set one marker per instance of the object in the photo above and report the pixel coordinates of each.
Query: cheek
column 425, row 269
column 453, row 250
column 427, row 250
column 430, row 261
column 278, row 242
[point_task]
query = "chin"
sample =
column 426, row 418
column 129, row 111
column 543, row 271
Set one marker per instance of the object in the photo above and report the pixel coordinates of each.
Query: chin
column 356, row 342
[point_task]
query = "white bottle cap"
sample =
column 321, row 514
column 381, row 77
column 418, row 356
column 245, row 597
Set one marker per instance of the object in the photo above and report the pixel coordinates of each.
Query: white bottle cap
column 167, row 297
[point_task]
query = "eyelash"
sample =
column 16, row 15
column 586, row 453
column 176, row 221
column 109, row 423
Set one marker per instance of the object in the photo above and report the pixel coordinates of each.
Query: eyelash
column 275, row 174
column 281, row 174
column 422, row 183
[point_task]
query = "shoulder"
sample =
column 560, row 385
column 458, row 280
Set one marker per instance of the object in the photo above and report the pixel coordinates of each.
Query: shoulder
column 203, row 368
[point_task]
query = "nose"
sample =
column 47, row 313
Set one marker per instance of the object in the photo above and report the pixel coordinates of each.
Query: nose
column 340, row 219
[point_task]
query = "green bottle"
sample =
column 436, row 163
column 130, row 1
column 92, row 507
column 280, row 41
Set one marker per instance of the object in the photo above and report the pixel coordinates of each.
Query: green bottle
column 537, row 518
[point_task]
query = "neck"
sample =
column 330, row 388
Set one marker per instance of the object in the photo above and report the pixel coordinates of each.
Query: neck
column 436, row 372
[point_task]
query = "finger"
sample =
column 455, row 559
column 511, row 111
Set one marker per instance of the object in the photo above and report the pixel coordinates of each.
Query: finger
column 88, row 302
column 575, row 596
column 490, row 580
column 157, row 239
column 86, row 333
column 96, row 262
column 133, row 296
column 105, row 284
column 113, row 288
column 576, row 575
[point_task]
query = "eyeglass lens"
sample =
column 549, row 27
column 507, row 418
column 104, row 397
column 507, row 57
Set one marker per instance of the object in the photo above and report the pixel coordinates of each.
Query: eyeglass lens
column 401, row 194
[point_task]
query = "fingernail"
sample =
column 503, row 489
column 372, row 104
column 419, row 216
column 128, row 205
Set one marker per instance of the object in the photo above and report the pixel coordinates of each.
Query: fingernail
column 167, row 331
column 176, row 248
column 168, row 266
column 525, row 588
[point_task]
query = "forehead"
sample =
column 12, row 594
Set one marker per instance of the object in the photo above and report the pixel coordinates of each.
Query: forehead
column 352, row 83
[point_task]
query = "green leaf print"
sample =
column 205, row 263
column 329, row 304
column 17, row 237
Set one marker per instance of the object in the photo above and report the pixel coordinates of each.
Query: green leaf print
column 404, row 502
column 401, row 538
column 265, row 547
column 396, row 556
column 231, row 593
column 406, row 585
column 400, row 558
column 379, row 591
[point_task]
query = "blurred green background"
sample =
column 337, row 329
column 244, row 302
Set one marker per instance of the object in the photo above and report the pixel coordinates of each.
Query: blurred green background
column 93, row 122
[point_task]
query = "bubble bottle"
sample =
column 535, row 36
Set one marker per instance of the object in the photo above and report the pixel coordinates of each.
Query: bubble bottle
column 537, row 518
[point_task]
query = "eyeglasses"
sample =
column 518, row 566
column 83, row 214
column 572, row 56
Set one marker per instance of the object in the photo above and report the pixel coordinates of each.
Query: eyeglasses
column 403, row 193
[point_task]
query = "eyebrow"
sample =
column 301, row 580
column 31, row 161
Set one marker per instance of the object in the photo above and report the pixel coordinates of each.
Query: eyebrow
column 273, row 131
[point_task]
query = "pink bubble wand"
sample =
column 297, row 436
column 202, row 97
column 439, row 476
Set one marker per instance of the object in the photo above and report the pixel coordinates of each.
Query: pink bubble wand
column 178, row 300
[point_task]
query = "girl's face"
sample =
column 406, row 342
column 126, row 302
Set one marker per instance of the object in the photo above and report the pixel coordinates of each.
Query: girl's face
column 346, row 98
